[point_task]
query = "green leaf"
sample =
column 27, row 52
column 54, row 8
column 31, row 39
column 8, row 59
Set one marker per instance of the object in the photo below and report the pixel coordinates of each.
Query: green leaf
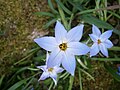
column 52, row 7
column 49, row 23
column 106, row 59
column 18, row 84
column 44, row 14
column 88, row 18
column 115, row 48
column 71, row 82
column 1, row 79
column 63, row 7
column 112, row 72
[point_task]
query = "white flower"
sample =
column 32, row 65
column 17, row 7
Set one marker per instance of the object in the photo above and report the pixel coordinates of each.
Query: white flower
column 50, row 72
column 64, row 46
column 101, row 42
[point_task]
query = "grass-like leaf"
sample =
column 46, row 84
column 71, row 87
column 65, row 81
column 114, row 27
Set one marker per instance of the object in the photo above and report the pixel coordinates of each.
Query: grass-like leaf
column 101, row 24
column 112, row 72
column 44, row 14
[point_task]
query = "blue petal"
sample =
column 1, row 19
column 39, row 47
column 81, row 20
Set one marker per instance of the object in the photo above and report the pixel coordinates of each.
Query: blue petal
column 58, row 69
column 53, row 75
column 103, row 49
column 94, row 50
column 77, row 48
column 55, row 58
column 108, row 44
column 43, row 67
column 60, row 32
column 106, row 35
column 47, row 43
column 69, row 63
column 95, row 30
column 94, row 37
column 75, row 33
column 44, row 76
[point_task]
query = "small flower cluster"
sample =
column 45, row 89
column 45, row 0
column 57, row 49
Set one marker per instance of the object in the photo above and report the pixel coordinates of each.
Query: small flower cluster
column 65, row 45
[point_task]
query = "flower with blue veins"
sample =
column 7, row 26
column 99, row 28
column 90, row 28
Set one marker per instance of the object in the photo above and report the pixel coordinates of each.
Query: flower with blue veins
column 64, row 46
column 101, row 41
column 50, row 72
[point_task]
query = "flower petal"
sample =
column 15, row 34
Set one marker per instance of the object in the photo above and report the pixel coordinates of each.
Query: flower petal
column 75, row 33
column 103, row 49
column 77, row 48
column 55, row 58
column 58, row 69
column 95, row 30
column 60, row 32
column 44, row 76
column 69, row 63
column 43, row 67
column 94, row 50
column 108, row 44
column 106, row 35
column 53, row 75
column 94, row 37
column 47, row 43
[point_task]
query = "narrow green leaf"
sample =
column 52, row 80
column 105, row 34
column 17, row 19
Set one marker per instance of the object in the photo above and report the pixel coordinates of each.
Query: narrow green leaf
column 87, row 74
column 49, row 23
column 81, row 63
column 80, row 78
column 44, row 14
column 71, row 82
column 52, row 7
column 115, row 48
column 18, row 84
column 101, row 24
column 112, row 72
column 30, row 81
column 106, row 59
column 63, row 7
column 1, row 79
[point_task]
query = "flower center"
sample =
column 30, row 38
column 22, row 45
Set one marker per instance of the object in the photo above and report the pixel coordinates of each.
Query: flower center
column 50, row 69
column 63, row 46
column 99, row 41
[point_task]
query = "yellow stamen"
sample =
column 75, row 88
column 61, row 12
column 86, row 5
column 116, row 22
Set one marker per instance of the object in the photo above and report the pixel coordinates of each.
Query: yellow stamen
column 99, row 41
column 63, row 46
column 50, row 69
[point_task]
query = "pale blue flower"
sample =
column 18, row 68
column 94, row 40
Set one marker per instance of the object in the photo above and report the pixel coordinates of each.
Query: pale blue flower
column 101, row 41
column 64, row 46
column 50, row 72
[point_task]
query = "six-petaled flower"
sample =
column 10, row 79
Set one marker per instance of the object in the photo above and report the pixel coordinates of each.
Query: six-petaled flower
column 101, row 41
column 64, row 46
column 50, row 72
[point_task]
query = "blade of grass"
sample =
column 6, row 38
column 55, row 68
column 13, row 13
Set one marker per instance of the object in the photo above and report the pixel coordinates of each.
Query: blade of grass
column 52, row 7
column 44, row 14
column 63, row 7
column 87, row 74
column 106, row 59
column 80, row 78
column 63, row 17
column 1, row 79
column 18, row 84
column 112, row 72
column 71, row 82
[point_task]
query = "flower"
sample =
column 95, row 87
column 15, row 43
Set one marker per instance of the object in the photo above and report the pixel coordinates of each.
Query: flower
column 50, row 72
column 101, row 42
column 64, row 46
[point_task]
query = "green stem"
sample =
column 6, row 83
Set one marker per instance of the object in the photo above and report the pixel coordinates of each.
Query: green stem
column 71, row 82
